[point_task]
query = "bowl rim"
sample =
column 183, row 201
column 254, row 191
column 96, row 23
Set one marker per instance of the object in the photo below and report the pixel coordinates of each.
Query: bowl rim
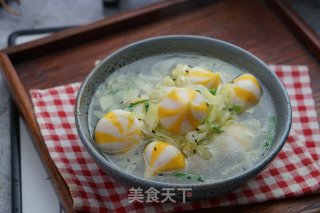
column 141, row 181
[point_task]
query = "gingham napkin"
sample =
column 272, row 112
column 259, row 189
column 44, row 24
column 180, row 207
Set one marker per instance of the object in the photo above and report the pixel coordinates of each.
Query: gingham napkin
column 294, row 172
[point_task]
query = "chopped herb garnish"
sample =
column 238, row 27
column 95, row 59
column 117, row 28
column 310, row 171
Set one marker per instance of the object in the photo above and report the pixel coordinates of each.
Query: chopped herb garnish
column 198, row 91
column 200, row 179
column 236, row 109
column 153, row 131
column 147, row 106
column 187, row 71
column 214, row 128
column 179, row 174
column 174, row 79
column 137, row 103
column 213, row 91
column 187, row 176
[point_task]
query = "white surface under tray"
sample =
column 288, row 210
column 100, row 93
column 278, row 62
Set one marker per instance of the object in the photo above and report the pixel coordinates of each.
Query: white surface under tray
column 37, row 193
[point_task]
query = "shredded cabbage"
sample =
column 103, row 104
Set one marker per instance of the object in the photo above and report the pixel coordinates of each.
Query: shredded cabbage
column 178, row 74
column 167, row 81
column 106, row 102
column 151, row 91
column 152, row 118
column 127, row 95
column 194, row 142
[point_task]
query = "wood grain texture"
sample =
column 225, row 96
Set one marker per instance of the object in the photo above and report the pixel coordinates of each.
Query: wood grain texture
column 70, row 55
column 99, row 29
column 297, row 25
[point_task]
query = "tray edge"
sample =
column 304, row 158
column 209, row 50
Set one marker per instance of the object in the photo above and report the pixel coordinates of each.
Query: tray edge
column 25, row 108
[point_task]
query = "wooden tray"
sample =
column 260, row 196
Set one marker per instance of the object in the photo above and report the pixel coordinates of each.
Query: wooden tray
column 68, row 56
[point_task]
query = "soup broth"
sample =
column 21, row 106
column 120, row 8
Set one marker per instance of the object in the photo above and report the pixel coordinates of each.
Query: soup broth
column 229, row 151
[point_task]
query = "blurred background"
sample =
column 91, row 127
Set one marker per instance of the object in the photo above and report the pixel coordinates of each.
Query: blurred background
column 37, row 14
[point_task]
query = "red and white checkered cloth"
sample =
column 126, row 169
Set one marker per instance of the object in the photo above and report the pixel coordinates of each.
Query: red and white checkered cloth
column 294, row 172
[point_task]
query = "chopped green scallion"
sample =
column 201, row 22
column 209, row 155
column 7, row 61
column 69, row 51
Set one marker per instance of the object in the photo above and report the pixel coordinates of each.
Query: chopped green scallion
column 213, row 91
column 137, row 103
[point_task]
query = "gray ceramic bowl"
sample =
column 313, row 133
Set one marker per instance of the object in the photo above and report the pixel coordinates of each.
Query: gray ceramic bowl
column 187, row 44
